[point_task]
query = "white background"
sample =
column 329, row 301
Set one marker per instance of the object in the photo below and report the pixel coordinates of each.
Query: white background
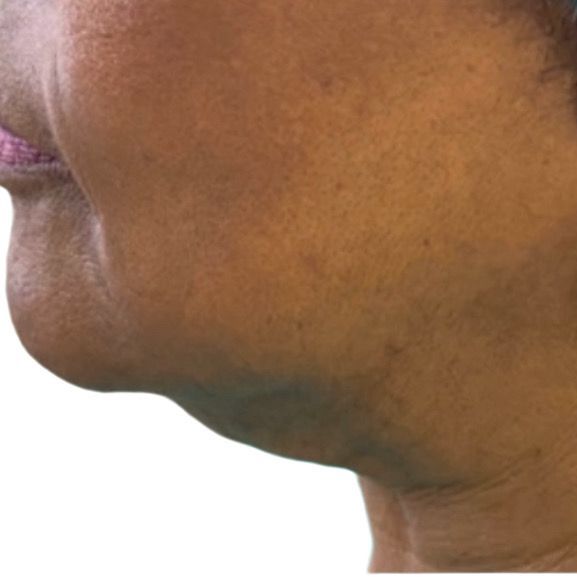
column 123, row 485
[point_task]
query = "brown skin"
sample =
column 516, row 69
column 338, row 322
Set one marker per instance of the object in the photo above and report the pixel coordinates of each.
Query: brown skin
column 340, row 231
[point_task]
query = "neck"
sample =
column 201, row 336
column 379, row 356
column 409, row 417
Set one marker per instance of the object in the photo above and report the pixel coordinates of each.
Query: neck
column 525, row 520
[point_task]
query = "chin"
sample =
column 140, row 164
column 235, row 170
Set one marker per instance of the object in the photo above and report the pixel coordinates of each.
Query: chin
column 62, row 310
column 69, row 354
column 68, row 333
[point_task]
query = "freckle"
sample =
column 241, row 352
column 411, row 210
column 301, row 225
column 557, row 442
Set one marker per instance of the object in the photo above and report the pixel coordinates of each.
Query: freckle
column 339, row 185
column 394, row 348
column 426, row 242
column 326, row 83
column 313, row 264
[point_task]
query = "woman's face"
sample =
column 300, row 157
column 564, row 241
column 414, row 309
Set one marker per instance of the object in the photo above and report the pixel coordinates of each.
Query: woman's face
column 329, row 229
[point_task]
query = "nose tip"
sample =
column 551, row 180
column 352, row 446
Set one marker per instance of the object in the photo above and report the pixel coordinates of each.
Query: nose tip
column 16, row 151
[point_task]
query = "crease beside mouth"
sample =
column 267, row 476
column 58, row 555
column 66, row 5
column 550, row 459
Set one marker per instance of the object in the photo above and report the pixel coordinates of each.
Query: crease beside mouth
column 15, row 151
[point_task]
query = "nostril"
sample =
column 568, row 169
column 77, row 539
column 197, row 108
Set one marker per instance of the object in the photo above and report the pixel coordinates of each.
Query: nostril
column 16, row 151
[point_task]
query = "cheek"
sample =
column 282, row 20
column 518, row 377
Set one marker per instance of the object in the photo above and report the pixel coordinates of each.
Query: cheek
column 149, row 95
column 147, row 108
column 231, row 216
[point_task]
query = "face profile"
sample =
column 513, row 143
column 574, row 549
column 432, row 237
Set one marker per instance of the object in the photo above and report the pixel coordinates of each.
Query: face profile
column 342, row 232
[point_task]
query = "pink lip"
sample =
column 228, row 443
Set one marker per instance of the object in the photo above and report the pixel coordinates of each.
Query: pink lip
column 17, row 152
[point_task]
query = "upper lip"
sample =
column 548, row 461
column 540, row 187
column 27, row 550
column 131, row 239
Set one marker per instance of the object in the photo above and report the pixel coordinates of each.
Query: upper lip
column 28, row 44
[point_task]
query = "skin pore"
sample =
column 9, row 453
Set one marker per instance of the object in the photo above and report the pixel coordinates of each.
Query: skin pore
column 341, row 231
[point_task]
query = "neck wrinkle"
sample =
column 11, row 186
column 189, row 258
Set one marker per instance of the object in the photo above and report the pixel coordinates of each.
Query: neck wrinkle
column 526, row 522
